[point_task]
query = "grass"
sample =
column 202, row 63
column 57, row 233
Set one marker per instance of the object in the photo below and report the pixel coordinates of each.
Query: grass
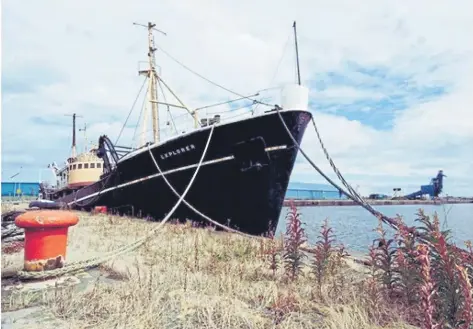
column 190, row 277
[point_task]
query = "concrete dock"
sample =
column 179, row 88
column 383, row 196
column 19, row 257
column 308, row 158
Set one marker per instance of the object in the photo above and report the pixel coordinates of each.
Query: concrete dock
column 331, row 203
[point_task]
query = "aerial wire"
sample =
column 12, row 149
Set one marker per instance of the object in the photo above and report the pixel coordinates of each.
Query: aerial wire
column 277, row 69
column 131, row 110
column 139, row 118
column 208, row 80
column 168, row 107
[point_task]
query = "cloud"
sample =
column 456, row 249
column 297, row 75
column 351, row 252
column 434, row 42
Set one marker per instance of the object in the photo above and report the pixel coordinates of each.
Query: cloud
column 391, row 85
column 29, row 78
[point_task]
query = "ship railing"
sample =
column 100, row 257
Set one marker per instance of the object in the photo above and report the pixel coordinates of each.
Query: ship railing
column 184, row 123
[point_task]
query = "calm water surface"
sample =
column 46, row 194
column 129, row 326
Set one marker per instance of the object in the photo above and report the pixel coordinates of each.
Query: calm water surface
column 353, row 225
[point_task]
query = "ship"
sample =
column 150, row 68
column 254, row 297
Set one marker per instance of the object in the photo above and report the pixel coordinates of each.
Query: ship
column 242, row 180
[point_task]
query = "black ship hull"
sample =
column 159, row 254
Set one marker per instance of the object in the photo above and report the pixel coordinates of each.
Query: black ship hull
column 241, row 183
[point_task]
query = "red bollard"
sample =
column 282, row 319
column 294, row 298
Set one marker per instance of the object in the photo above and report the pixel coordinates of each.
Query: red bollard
column 45, row 237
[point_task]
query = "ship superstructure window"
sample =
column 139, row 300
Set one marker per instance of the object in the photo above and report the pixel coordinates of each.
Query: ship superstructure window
column 99, row 165
column 86, row 166
column 79, row 166
column 73, row 167
column 92, row 165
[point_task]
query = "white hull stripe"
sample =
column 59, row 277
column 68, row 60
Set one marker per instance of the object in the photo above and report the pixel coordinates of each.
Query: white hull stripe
column 227, row 158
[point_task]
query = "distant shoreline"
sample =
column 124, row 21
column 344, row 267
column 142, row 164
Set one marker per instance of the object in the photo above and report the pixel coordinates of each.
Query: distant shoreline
column 330, row 203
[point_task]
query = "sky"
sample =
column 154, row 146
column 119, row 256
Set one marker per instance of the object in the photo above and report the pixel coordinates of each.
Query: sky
column 391, row 82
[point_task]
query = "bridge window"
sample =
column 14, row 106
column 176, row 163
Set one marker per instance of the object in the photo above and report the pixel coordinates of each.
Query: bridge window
column 73, row 167
column 79, row 166
column 92, row 165
column 86, row 166
column 99, row 165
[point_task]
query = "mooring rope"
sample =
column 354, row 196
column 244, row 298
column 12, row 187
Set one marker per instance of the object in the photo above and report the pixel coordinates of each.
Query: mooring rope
column 194, row 209
column 354, row 193
column 357, row 199
column 93, row 262
column 393, row 222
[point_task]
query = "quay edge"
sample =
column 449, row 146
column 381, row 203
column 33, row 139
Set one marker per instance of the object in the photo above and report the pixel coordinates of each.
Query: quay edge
column 331, row 203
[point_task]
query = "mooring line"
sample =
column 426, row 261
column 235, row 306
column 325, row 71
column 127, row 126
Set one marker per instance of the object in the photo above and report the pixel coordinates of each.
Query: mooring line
column 394, row 223
column 357, row 199
column 81, row 265
column 193, row 208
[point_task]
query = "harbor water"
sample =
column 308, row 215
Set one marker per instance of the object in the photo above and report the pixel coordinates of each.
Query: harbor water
column 354, row 226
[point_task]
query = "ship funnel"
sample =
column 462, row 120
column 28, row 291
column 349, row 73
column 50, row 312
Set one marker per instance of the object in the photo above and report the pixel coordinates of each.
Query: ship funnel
column 295, row 97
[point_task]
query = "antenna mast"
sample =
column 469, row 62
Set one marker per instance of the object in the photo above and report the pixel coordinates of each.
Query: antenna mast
column 297, row 54
column 73, row 148
column 152, row 83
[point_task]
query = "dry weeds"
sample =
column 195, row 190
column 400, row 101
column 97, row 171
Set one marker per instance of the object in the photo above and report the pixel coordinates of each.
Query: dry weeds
column 196, row 278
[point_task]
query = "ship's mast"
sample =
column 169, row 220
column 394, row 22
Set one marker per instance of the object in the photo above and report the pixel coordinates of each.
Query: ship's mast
column 152, row 93
column 297, row 54
column 73, row 148
column 155, row 81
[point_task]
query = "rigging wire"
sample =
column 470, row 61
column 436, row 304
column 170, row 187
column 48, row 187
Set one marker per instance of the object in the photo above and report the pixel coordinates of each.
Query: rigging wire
column 237, row 109
column 131, row 110
column 139, row 118
column 242, row 107
column 169, row 111
column 277, row 67
column 226, row 102
column 280, row 60
column 208, row 80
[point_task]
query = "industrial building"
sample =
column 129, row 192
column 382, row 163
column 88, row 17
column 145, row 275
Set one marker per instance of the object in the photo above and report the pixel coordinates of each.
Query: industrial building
column 20, row 189
column 296, row 191
column 312, row 191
